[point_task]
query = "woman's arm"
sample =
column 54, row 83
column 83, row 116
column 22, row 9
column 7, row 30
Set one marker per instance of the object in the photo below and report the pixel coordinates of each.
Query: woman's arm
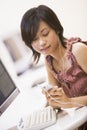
column 80, row 100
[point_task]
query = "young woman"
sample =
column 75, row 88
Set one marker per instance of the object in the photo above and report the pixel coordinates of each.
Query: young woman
column 65, row 59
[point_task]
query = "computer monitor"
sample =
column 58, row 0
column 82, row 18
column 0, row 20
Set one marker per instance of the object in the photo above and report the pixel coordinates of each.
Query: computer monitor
column 8, row 89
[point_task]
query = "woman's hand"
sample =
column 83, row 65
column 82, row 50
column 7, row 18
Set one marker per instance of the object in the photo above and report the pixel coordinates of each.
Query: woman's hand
column 57, row 98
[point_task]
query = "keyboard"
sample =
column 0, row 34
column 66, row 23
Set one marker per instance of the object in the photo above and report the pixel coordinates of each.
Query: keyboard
column 38, row 120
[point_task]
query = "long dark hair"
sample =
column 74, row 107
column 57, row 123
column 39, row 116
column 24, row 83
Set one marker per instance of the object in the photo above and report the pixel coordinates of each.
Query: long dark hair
column 30, row 24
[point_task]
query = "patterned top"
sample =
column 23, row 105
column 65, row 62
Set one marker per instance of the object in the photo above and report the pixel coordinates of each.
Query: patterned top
column 74, row 80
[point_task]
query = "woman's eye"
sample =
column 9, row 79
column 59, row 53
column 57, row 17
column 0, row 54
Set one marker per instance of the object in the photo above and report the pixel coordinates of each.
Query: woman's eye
column 45, row 34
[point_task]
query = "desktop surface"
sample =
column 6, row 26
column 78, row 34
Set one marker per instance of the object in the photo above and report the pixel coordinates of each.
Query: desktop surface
column 13, row 128
column 32, row 100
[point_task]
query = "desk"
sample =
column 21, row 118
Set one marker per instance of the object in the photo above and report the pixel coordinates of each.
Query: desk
column 70, row 122
column 32, row 100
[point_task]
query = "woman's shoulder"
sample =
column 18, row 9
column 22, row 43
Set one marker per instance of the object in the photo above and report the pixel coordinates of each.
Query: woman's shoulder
column 79, row 50
column 79, row 47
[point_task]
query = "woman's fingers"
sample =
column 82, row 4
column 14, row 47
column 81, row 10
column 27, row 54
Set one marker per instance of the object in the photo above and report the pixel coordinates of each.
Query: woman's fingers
column 56, row 92
column 54, row 103
column 52, row 94
column 56, row 98
column 43, row 91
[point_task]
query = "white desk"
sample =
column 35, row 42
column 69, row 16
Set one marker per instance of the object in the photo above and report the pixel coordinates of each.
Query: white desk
column 32, row 100
column 70, row 122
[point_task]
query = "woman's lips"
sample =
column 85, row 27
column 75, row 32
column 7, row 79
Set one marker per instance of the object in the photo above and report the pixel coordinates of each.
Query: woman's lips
column 45, row 49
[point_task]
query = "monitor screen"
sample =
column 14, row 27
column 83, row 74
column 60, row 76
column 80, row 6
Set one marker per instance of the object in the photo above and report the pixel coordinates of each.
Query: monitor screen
column 8, row 89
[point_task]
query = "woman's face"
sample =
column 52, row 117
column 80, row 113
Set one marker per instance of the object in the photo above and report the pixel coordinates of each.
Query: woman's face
column 46, row 40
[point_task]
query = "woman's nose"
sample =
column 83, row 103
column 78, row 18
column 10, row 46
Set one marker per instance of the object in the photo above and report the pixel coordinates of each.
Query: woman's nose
column 42, row 42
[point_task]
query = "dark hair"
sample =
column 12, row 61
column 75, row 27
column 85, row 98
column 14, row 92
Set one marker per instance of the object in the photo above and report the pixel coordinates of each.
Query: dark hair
column 30, row 23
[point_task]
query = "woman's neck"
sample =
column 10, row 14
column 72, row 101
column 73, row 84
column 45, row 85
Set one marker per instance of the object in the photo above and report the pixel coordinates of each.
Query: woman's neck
column 59, row 53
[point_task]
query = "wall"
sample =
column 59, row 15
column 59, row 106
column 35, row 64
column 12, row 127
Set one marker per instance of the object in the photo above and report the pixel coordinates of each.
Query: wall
column 72, row 14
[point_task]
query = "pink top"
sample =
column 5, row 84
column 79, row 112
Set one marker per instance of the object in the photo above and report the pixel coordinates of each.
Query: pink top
column 74, row 80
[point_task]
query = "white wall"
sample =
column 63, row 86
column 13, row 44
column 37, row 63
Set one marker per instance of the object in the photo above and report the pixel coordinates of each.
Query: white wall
column 72, row 14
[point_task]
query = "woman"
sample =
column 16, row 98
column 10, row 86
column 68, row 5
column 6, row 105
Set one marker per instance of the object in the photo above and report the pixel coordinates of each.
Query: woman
column 65, row 59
